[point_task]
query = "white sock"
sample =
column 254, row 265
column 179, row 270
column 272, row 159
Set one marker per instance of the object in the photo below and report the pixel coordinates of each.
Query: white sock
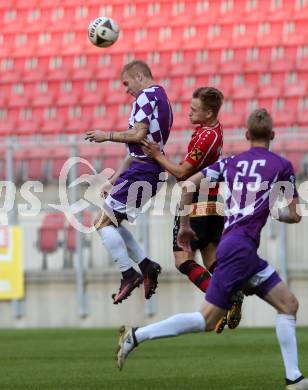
column 135, row 252
column 172, row 326
column 115, row 246
column 286, row 334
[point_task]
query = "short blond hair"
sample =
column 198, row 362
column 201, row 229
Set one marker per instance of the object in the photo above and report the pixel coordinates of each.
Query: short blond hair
column 260, row 124
column 137, row 66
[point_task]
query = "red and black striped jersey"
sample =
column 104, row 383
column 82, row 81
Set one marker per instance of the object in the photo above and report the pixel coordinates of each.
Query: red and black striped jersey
column 205, row 148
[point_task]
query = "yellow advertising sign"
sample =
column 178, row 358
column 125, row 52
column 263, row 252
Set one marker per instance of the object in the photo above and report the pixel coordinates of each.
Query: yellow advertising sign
column 11, row 264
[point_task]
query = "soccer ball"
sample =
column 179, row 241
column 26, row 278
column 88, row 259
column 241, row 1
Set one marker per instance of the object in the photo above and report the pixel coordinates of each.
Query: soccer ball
column 103, row 31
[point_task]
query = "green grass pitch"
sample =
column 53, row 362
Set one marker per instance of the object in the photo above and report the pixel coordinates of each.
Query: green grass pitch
column 244, row 359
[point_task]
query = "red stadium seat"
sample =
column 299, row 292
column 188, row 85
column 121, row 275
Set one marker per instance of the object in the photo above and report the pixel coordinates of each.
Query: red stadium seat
column 82, row 74
column 121, row 123
column 282, row 64
column 244, row 92
column 294, row 39
column 206, row 68
column 31, row 163
column 71, row 232
column 92, row 153
column 302, row 118
column 283, row 13
column 18, row 100
column 184, row 95
column 103, row 123
column 67, row 99
column 48, row 241
column 79, row 125
column 53, row 126
column 283, row 118
column 117, row 96
column 244, row 41
column 159, row 70
column 57, row 158
column 256, row 66
column 33, row 75
column 181, row 121
column 271, row 39
column 70, row 240
column 302, row 64
column 27, row 127
column 256, row 15
column 235, row 147
column 232, row 120
column 58, row 74
column 92, row 98
column 7, row 128
column 270, row 91
column 43, row 99
column 297, row 90
column 209, row 15
column 231, row 67
column 107, row 73
column 301, row 13
column 197, row 43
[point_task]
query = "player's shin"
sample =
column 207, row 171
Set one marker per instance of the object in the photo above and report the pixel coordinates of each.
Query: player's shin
column 286, row 334
column 115, row 246
column 136, row 253
column 172, row 326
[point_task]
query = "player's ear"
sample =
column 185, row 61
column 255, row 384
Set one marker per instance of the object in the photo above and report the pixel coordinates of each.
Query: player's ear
column 139, row 76
column 247, row 135
column 209, row 114
column 272, row 135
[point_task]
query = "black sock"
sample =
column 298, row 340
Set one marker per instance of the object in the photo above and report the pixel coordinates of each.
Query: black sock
column 288, row 382
column 144, row 264
column 129, row 273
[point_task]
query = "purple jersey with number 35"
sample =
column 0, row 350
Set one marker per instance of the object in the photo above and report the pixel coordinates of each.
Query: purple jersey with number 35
column 253, row 180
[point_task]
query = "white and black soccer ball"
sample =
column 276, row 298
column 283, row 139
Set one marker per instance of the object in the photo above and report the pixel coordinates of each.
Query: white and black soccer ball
column 103, row 31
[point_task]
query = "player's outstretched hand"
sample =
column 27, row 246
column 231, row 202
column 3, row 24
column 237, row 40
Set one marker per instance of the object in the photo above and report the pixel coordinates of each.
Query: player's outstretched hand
column 185, row 236
column 97, row 136
column 151, row 149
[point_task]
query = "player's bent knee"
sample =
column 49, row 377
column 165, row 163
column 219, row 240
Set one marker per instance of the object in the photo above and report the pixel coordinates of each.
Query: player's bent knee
column 212, row 314
column 291, row 305
column 102, row 221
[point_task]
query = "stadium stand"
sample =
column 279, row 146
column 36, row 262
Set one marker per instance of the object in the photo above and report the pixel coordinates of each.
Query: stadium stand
column 53, row 81
column 56, row 232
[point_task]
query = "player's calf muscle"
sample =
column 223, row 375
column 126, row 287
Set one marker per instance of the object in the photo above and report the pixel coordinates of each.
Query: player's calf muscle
column 212, row 315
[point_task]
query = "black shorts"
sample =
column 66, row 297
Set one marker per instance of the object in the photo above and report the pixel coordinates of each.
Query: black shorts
column 208, row 229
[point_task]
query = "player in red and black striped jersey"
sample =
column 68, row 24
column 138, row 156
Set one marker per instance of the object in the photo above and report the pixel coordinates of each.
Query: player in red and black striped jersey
column 206, row 218
column 204, row 149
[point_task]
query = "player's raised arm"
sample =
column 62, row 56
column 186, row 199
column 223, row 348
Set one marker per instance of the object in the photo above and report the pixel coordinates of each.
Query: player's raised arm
column 206, row 142
column 181, row 172
column 134, row 135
